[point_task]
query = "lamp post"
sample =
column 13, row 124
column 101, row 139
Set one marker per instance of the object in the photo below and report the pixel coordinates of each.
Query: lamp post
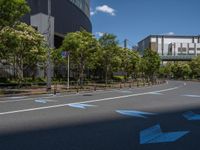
column 68, row 73
column 49, row 45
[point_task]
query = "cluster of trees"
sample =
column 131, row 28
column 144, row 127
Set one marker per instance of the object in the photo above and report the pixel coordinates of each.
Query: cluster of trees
column 92, row 58
column 182, row 70
column 21, row 46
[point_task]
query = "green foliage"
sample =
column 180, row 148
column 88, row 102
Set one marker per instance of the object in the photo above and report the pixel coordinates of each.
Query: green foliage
column 166, row 71
column 83, row 48
column 22, row 46
column 195, row 67
column 181, row 70
column 110, row 54
column 11, row 11
column 130, row 62
column 118, row 78
column 151, row 63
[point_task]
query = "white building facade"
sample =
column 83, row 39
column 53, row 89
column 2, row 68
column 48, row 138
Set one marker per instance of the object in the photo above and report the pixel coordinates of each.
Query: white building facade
column 171, row 45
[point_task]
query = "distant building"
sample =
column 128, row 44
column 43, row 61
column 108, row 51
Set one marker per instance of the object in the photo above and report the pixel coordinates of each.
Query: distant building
column 172, row 47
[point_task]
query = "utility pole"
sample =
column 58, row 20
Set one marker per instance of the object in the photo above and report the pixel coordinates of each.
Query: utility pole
column 49, row 46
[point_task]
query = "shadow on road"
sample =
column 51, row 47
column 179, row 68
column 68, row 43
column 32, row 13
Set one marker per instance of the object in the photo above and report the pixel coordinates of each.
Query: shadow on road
column 119, row 134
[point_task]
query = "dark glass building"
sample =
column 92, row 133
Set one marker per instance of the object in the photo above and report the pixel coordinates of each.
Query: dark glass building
column 68, row 16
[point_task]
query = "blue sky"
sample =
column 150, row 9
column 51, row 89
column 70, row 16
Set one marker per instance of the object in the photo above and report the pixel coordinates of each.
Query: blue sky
column 136, row 19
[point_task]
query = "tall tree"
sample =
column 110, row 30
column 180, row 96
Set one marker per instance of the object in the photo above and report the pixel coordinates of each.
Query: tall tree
column 23, row 46
column 83, row 48
column 152, row 63
column 110, row 52
column 130, row 62
column 11, row 11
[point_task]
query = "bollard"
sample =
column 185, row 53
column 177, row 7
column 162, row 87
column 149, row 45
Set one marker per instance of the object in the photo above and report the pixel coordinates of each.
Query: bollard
column 77, row 90
column 55, row 89
column 120, row 86
column 95, row 87
column 130, row 85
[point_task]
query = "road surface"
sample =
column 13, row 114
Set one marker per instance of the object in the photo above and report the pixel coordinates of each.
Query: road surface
column 159, row 117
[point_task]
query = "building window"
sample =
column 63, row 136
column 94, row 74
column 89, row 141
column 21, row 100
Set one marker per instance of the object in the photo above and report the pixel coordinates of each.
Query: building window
column 184, row 49
column 191, row 49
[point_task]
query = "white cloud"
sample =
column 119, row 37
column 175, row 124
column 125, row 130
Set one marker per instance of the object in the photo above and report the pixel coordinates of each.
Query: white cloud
column 100, row 34
column 92, row 13
column 106, row 9
column 103, row 9
column 170, row 33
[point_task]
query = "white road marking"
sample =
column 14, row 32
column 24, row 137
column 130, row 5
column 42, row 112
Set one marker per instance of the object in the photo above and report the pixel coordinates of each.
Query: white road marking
column 89, row 101
column 194, row 96
column 18, row 97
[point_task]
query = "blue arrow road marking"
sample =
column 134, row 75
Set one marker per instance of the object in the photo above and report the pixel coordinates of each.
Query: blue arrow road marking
column 195, row 96
column 134, row 113
column 191, row 116
column 155, row 135
column 81, row 106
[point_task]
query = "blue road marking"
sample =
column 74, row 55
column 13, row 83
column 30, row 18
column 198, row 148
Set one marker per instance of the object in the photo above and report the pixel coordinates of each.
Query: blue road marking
column 194, row 96
column 81, row 106
column 155, row 135
column 134, row 113
column 191, row 116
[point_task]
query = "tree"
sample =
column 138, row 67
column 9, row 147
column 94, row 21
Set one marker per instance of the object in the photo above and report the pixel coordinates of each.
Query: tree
column 110, row 54
column 186, row 71
column 166, row 70
column 11, row 11
column 83, row 48
column 130, row 62
column 23, row 46
column 152, row 63
column 181, row 70
column 195, row 67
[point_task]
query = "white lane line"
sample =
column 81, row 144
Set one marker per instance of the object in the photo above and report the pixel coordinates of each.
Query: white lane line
column 18, row 97
column 89, row 101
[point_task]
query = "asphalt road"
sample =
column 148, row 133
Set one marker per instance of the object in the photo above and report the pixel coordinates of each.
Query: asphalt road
column 152, row 118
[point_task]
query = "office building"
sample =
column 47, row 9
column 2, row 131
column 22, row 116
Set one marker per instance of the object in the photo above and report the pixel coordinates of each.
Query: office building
column 66, row 16
column 172, row 46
